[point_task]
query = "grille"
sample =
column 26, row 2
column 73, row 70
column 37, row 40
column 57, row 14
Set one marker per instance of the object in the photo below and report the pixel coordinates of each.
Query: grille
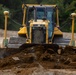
column 38, row 35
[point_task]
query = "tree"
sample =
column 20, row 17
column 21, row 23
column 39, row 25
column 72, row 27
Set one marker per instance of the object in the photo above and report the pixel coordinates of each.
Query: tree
column 1, row 16
column 66, row 7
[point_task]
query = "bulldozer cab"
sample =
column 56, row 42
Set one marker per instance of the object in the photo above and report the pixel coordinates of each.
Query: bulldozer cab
column 38, row 25
column 38, row 14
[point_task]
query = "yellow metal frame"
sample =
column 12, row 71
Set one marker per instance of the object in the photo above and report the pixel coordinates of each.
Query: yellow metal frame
column 23, row 30
column 57, row 31
column 46, row 25
column 24, row 15
column 40, row 5
column 31, row 24
column 5, row 31
column 57, row 24
column 6, row 13
column 73, row 28
column 72, row 42
column 5, row 40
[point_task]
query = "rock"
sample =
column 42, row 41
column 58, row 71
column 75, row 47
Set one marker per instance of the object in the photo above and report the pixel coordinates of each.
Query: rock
column 15, row 58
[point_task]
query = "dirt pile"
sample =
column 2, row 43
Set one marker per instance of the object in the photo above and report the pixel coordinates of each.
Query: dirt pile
column 38, row 56
column 36, row 71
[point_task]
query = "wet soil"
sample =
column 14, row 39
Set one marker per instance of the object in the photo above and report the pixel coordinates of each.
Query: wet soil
column 38, row 56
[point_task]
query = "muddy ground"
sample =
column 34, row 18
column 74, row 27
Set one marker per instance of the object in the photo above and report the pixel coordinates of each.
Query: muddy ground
column 37, row 60
column 38, row 56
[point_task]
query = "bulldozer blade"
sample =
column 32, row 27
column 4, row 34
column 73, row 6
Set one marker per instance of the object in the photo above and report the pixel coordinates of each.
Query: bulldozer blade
column 52, row 46
column 5, row 52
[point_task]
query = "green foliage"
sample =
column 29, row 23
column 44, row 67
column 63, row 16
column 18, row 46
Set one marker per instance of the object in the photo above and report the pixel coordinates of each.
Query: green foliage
column 66, row 7
column 67, row 19
column 30, row 1
column 2, row 9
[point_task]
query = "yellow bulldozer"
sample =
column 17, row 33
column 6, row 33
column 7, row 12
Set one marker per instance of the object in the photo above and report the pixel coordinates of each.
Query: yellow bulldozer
column 40, row 26
column 40, row 38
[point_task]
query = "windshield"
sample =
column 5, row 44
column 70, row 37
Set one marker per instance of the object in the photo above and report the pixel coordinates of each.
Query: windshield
column 30, row 14
column 50, row 17
column 40, row 13
column 37, row 13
